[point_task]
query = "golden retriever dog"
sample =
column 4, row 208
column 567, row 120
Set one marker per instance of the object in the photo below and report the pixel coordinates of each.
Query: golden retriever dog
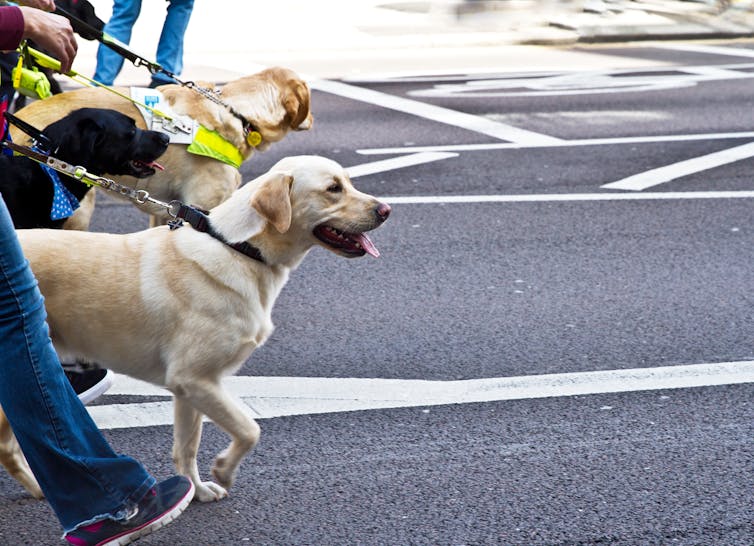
column 275, row 101
column 182, row 308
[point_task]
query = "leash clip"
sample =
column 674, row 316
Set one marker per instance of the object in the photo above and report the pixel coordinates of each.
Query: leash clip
column 141, row 196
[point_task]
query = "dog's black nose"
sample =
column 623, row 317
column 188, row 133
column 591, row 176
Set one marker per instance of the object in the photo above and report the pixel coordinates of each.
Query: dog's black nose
column 383, row 211
column 163, row 139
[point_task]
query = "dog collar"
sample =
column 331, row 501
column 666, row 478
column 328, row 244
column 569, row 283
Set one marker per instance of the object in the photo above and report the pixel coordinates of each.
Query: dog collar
column 252, row 135
column 199, row 220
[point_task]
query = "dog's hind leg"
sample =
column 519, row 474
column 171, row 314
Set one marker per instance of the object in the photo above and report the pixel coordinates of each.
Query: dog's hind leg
column 209, row 399
column 14, row 461
column 187, row 433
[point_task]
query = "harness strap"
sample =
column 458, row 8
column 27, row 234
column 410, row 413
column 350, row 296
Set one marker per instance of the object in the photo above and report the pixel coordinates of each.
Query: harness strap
column 39, row 137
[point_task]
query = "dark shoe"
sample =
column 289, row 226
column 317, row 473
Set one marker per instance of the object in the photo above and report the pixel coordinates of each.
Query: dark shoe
column 161, row 505
column 89, row 383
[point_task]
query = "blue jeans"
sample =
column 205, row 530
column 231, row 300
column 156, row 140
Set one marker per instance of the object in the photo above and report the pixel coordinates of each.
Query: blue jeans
column 169, row 48
column 82, row 478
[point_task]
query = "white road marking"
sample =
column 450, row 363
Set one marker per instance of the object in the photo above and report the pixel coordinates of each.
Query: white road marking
column 566, row 197
column 435, row 113
column 667, row 173
column 397, row 163
column 712, row 50
column 268, row 397
column 559, row 86
column 585, row 82
column 520, row 138
column 559, row 144
column 635, row 182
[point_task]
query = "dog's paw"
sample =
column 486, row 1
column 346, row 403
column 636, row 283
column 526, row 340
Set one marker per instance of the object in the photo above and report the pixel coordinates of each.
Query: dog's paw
column 209, row 492
column 223, row 473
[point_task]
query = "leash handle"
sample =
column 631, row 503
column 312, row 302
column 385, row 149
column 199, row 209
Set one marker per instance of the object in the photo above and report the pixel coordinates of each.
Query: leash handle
column 81, row 28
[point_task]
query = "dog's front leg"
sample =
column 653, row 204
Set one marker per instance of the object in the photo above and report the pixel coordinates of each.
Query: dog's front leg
column 244, row 433
column 14, row 461
column 187, row 434
column 209, row 399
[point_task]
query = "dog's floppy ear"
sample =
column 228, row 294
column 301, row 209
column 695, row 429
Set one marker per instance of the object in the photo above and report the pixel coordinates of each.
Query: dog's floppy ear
column 91, row 136
column 76, row 143
column 273, row 200
column 296, row 103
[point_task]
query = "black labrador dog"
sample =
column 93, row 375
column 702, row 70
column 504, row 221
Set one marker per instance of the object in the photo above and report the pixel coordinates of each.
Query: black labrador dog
column 102, row 141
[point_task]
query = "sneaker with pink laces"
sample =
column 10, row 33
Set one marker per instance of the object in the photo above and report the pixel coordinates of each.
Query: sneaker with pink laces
column 161, row 505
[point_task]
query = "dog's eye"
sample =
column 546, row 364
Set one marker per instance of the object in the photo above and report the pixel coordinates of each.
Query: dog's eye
column 335, row 188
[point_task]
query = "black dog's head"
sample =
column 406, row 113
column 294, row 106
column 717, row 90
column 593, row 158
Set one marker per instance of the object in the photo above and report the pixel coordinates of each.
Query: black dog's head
column 84, row 11
column 106, row 142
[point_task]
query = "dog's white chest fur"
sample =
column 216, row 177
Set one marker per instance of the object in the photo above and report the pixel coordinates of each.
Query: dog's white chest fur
column 210, row 297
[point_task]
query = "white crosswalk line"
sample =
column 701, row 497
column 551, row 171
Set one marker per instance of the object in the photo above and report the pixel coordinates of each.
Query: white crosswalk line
column 268, row 397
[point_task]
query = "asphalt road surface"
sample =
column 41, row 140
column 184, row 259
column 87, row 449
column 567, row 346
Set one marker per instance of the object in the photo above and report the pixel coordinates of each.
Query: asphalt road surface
column 555, row 347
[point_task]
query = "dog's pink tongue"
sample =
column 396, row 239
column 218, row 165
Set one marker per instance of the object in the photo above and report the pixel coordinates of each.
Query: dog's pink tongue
column 155, row 165
column 367, row 244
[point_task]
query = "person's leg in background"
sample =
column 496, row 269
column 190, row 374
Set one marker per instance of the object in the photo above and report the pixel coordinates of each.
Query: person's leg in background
column 120, row 25
column 94, row 492
column 170, row 46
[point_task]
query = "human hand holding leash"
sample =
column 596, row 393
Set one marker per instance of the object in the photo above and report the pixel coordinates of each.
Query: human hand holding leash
column 52, row 32
column 44, row 5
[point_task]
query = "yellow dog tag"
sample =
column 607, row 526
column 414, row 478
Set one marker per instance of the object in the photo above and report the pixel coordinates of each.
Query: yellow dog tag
column 254, row 139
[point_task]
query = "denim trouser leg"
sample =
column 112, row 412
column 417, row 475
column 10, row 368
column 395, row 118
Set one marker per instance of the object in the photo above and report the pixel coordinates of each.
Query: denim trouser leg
column 170, row 46
column 109, row 63
column 82, row 478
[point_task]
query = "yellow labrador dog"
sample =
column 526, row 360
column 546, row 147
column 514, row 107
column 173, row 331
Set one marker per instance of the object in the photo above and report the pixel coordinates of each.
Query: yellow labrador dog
column 274, row 101
column 181, row 308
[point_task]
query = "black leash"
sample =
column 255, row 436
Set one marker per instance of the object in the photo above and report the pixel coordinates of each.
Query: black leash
column 40, row 139
column 114, row 44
